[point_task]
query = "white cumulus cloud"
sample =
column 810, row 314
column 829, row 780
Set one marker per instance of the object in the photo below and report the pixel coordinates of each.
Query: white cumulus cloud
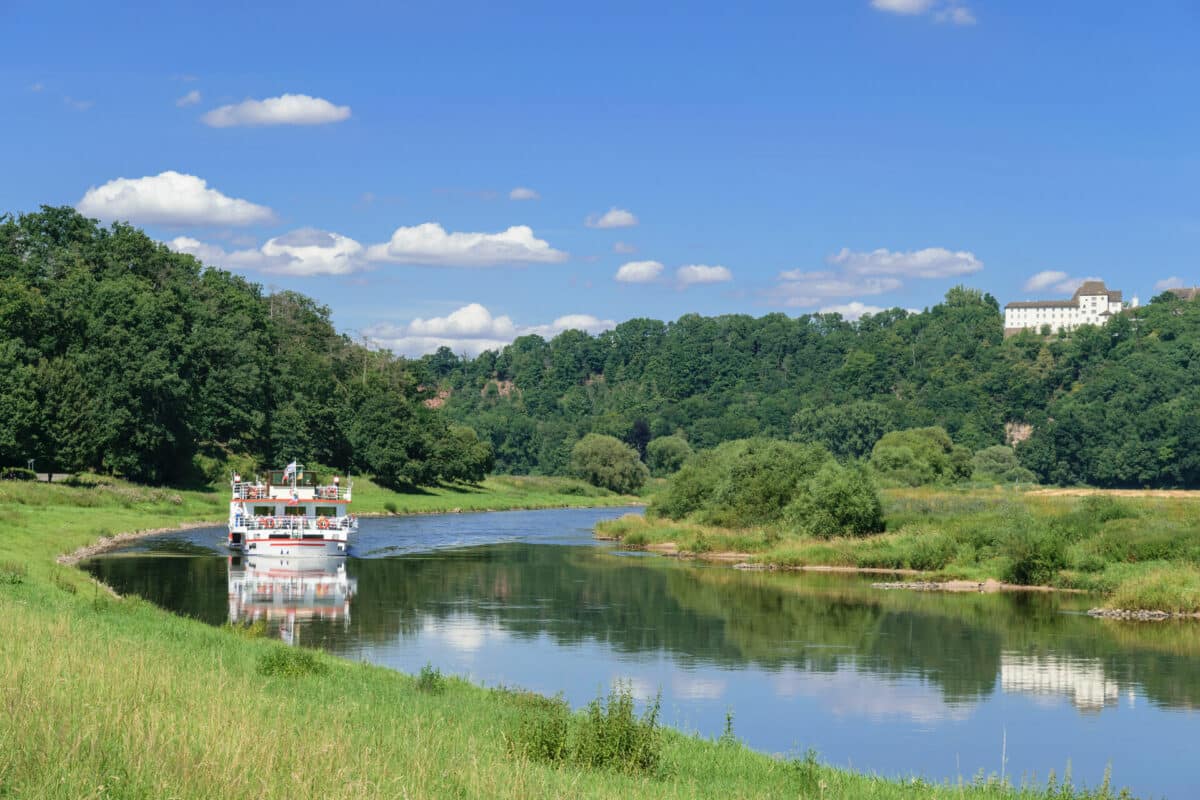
column 473, row 329
column 624, row 248
column 613, row 218
column 639, row 272
column 431, row 245
column 800, row 289
column 189, row 99
column 287, row 109
column 956, row 15
column 524, row 193
column 949, row 11
column 1056, row 281
column 903, row 6
column 303, row 252
column 1173, row 282
column 1045, row 279
column 932, row 262
column 857, row 273
column 169, row 198
column 693, row 274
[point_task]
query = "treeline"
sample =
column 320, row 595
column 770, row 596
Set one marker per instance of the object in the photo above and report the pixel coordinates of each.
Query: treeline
column 1112, row 406
column 118, row 355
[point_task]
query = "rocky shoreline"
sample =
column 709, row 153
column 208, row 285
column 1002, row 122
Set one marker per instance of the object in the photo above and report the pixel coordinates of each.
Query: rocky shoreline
column 1139, row 615
column 107, row 543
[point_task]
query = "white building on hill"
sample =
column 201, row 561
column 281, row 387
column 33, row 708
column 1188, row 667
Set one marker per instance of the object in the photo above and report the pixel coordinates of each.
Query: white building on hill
column 1092, row 304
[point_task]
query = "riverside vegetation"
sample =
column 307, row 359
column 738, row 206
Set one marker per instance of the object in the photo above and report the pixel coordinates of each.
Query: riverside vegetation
column 793, row 505
column 120, row 356
column 113, row 697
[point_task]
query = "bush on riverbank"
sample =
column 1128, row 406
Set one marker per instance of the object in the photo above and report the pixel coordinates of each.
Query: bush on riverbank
column 609, row 463
column 607, row 734
column 837, row 501
column 739, row 483
column 797, row 487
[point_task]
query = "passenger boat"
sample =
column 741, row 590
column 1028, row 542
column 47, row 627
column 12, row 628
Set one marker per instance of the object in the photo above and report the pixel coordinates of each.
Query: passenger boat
column 292, row 514
column 287, row 593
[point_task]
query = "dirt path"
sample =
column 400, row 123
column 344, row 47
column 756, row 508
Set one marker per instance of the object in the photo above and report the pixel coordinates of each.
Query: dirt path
column 1186, row 494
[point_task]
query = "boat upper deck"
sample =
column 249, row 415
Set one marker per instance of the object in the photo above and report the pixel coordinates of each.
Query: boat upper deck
column 332, row 493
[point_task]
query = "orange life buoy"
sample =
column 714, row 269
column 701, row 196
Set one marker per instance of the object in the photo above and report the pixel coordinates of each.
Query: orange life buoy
column 323, row 522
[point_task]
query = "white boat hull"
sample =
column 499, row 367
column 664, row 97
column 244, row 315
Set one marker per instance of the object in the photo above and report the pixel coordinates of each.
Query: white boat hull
column 295, row 548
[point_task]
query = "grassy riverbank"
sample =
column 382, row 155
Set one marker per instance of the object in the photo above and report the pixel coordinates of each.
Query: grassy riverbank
column 108, row 697
column 1142, row 552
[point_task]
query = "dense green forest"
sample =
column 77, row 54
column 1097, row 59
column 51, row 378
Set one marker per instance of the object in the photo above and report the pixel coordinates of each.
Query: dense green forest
column 1112, row 406
column 118, row 355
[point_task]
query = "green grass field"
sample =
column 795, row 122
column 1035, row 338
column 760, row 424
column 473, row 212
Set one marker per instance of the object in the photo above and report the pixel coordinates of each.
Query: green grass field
column 106, row 697
column 1140, row 552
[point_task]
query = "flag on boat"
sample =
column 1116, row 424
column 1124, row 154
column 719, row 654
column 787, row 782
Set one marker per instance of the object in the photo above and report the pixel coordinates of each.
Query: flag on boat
column 289, row 470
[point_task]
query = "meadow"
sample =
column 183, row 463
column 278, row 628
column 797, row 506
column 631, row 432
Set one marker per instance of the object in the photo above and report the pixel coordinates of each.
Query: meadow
column 1139, row 552
column 107, row 696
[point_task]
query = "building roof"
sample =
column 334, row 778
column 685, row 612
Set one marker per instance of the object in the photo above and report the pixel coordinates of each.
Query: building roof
column 1043, row 304
column 1086, row 289
column 1186, row 292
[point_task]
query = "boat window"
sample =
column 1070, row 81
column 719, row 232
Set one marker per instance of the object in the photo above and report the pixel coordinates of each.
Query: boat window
column 326, row 511
column 305, row 478
column 264, row 511
column 294, row 511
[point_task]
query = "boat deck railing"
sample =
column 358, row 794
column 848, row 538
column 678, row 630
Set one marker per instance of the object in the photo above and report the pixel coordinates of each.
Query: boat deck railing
column 258, row 491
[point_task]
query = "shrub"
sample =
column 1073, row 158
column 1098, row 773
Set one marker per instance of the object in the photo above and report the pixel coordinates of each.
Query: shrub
column 999, row 464
column 838, row 501
column 391, row 507
column 430, row 680
column 931, row 551
column 1034, row 555
column 740, row 483
column 17, row 474
column 1103, row 508
column 919, row 456
column 666, row 454
column 608, row 462
column 12, row 573
column 543, row 732
column 290, row 662
column 611, row 735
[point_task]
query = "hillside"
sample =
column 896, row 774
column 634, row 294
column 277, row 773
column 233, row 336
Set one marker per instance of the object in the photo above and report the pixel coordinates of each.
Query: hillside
column 1114, row 406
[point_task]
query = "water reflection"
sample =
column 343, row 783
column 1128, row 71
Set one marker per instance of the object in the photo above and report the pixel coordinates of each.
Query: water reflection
column 287, row 592
column 889, row 681
column 1082, row 680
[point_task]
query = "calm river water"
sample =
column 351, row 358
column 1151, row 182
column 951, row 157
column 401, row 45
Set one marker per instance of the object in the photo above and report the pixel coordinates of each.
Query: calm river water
column 892, row 682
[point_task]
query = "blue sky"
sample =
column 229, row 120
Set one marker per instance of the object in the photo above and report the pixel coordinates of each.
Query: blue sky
column 831, row 154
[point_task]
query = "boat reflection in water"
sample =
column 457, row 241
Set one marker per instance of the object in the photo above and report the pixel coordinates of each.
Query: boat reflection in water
column 288, row 592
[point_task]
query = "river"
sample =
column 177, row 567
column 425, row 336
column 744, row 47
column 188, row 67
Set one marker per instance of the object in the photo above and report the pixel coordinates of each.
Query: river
column 893, row 682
